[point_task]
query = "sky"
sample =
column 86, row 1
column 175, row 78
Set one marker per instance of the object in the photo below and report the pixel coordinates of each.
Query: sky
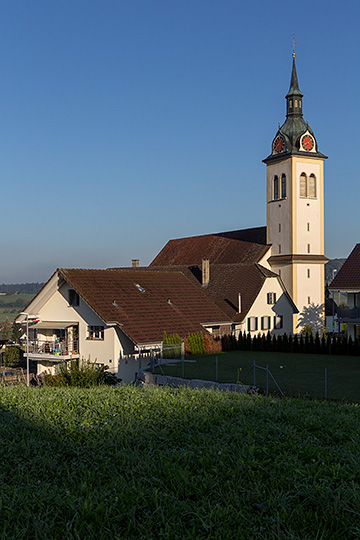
column 125, row 123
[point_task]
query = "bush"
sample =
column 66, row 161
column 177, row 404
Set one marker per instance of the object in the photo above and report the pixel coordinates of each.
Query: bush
column 82, row 373
column 13, row 357
column 171, row 346
column 196, row 343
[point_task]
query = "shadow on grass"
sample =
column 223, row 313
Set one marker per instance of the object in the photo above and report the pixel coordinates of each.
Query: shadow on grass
column 150, row 463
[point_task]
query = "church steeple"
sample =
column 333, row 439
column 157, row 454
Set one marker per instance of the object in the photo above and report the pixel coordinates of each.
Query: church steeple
column 294, row 96
column 295, row 136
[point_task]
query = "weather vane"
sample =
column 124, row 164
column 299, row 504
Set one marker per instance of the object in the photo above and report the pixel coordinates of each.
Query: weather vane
column 293, row 43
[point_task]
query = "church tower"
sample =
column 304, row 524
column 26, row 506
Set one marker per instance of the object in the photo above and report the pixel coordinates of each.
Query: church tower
column 295, row 211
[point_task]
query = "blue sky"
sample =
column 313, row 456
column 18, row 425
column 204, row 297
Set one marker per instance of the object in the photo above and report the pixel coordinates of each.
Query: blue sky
column 126, row 123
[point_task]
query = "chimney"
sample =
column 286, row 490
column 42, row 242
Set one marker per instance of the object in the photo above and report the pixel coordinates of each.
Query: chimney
column 239, row 303
column 135, row 263
column 205, row 271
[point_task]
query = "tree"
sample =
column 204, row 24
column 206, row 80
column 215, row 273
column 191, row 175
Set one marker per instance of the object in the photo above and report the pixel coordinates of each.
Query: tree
column 6, row 331
column 17, row 332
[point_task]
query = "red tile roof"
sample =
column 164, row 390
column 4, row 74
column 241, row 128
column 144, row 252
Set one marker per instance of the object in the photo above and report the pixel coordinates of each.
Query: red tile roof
column 348, row 277
column 226, row 282
column 244, row 246
column 145, row 303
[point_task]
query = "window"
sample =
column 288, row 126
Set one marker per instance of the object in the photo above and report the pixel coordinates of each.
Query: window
column 95, row 332
column 308, row 248
column 312, row 187
column 283, row 186
column 265, row 323
column 296, row 102
column 276, row 188
column 278, row 322
column 308, row 227
column 279, row 227
column 307, row 186
column 271, row 298
column 290, row 103
column 279, row 273
column 309, row 300
column 303, row 183
column 308, row 273
column 73, row 298
column 252, row 324
column 279, row 248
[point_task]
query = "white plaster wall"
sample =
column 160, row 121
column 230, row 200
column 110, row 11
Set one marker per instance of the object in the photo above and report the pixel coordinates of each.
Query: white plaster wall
column 309, row 287
column 279, row 211
column 282, row 307
column 308, row 211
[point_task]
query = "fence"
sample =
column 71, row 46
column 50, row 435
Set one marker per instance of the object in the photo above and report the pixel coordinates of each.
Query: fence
column 315, row 376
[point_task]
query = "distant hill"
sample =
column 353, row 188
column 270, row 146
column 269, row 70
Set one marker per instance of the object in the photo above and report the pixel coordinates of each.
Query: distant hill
column 21, row 288
column 333, row 264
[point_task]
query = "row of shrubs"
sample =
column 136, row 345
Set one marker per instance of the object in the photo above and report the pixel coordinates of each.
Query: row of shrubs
column 80, row 372
column 308, row 344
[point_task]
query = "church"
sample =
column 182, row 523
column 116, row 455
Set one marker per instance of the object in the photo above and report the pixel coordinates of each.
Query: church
column 291, row 246
column 259, row 280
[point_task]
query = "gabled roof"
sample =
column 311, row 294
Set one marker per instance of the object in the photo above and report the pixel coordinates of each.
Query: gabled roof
column 348, row 277
column 227, row 281
column 145, row 303
column 244, row 246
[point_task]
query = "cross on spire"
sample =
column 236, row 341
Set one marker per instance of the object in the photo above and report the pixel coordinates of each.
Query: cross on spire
column 293, row 43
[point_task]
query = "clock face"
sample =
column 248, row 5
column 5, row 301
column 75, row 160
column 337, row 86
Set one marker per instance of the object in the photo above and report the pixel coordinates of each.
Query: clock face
column 308, row 143
column 279, row 144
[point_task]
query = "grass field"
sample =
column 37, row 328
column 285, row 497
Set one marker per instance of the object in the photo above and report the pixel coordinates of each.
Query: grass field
column 296, row 374
column 133, row 463
column 12, row 304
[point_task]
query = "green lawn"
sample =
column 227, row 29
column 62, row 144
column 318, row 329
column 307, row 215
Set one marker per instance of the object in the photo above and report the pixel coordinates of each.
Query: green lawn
column 12, row 304
column 296, row 374
column 132, row 463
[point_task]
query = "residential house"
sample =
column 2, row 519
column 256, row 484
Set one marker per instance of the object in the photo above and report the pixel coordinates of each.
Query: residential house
column 113, row 316
column 347, row 281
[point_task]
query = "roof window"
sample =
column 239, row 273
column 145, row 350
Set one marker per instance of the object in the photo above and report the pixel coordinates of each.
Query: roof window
column 140, row 288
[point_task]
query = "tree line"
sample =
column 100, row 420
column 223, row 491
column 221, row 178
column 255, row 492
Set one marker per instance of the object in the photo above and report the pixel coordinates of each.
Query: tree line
column 24, row 288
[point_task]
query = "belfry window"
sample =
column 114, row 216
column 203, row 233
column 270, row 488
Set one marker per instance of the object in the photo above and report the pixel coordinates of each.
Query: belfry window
column 303, row 182
column 312, row 186
column 276, row 187
column 307, row 186
column 283, row 186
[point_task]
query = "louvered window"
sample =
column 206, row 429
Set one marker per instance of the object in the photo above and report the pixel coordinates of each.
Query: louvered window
column 283, row 186
column 276, row 188
column 312, row 186
column 303, row 182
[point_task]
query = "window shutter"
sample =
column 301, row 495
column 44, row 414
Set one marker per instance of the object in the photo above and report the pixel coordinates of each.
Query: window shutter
column 303, row 185
column 256, row 323
column 262, row 323
column 248, row 324
column 312, row 186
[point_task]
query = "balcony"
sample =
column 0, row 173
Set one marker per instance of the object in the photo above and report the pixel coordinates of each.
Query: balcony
column 349, row 315
column 53, row 350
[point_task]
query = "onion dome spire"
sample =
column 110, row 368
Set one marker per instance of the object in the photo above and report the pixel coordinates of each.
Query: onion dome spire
column 294, row 96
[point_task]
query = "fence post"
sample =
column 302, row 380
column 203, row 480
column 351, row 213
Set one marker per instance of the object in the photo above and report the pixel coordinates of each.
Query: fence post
column 216, row 370
column 182, row 360
column 267, row 379
column 254, row 367
column 325, row 383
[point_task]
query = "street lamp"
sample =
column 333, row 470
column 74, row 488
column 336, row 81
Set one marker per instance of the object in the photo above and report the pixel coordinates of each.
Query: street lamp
column 27, row 344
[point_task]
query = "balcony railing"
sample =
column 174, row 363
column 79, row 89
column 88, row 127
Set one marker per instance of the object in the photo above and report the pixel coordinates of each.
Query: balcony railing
column 61, row 347
column 349, row 313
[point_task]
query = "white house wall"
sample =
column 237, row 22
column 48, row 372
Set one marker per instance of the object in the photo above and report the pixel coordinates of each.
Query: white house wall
column 110, row 351
column 261, row 308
